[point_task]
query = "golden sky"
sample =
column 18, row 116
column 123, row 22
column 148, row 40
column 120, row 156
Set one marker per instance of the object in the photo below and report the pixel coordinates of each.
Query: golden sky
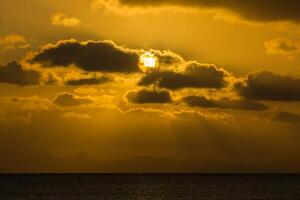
column 224, row 98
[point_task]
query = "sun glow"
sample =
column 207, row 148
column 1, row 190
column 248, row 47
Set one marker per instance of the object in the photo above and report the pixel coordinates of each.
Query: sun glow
column 148, row 62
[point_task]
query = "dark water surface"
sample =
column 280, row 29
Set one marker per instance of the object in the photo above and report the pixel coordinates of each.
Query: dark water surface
column 149, row 187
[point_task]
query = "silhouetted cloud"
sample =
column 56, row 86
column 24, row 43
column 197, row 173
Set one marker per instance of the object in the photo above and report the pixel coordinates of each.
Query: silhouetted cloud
column 13, row 73
column 241, row 104
column 88, row 81
column 167, row 57
column 69, row 99
column 146, row 96
column 270, row 86
column 195, row 75
column 286, row 117
column 200, row 101
column 263, row 10
column 103, row 56
column 100, row 56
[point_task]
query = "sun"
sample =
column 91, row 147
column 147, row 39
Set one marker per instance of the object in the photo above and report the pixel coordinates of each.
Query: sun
column 148, row 62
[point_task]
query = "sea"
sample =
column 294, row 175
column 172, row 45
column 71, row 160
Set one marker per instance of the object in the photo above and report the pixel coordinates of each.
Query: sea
column 148, row 187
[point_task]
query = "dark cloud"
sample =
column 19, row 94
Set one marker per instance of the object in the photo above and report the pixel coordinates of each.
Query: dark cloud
column 200, row 101
column 167, row 57
column 195, row 75
column 263, row 10
column 270, row 86
column 69, row 99
column 103, row 56
column 287, row 47
column 145, row 96
column 13, row 73
column 242, row 104
column 88, row 81
column 286, row 117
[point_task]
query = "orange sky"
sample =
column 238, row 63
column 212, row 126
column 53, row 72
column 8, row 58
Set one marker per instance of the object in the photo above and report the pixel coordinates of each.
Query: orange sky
column 225, row 98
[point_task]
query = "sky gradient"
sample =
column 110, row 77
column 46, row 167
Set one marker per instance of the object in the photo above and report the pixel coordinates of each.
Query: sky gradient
column 226, row 97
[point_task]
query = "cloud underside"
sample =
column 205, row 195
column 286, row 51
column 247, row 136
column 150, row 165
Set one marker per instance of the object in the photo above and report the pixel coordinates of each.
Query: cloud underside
column 243, row 104
column 103, row 56
column 70, row 100
column 14, row 73
column 270, row 86
column 100, row 56
column 262, row 10
column 195, row 75
column 88, row 81
column 146, row 96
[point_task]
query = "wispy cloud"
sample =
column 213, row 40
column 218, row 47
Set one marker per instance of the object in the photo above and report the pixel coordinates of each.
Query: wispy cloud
column 61, row 19
column 282, row 46
column 13, row 41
